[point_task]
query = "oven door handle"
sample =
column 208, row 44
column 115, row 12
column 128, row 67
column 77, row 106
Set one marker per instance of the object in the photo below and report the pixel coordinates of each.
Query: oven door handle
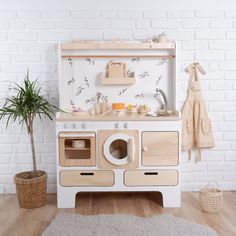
column 131, row 149
column 76, row 135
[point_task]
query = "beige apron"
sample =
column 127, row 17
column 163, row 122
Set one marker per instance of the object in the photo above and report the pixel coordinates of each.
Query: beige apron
column 196, row 127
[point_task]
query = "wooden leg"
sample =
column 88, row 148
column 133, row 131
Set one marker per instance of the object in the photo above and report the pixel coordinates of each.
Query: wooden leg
column 171, row 198
column 65, row 198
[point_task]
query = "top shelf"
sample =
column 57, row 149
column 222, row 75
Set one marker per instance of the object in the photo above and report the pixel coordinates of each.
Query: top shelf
column 91, row 45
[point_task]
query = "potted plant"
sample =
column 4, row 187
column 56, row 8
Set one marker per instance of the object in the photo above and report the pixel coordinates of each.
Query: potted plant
column 25, row 106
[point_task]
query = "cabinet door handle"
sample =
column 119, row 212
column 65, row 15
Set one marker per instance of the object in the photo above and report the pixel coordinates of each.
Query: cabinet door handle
column 145, row 149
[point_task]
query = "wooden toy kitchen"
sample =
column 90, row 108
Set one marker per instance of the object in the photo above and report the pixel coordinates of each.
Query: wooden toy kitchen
column 120, row 130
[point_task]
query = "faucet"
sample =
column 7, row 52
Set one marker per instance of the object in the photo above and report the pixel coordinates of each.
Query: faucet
column 165, row 105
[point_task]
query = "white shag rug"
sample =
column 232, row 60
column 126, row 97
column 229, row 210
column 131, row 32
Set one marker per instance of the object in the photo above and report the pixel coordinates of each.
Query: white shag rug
column 65, row 224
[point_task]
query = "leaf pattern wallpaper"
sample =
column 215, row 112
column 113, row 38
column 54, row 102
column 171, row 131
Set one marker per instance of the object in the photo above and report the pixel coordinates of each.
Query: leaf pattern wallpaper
column 81, row 81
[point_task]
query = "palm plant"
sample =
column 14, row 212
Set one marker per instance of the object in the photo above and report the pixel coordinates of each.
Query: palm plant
column 24, row 106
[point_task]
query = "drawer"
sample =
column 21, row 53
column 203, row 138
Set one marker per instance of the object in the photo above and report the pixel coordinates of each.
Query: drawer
column 74, row 178
column 151, row 178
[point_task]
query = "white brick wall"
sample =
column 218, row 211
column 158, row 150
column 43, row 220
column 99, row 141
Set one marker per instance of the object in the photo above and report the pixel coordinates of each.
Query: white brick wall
column 28, row 39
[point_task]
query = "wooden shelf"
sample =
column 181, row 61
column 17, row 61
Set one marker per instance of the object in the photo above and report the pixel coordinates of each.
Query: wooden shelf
column 117, row 56
column 87, row 45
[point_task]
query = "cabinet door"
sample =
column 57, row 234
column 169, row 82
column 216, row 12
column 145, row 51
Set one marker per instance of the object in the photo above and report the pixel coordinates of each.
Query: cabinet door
column 160, row 148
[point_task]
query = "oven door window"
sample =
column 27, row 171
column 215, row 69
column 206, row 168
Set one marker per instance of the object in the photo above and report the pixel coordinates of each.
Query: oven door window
column 119, row 149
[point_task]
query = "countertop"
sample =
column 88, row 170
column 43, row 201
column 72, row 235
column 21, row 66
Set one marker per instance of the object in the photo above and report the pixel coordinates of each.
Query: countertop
column 63, row 116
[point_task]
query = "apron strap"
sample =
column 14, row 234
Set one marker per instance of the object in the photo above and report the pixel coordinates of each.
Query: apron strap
column 193, row 71
column 198, row 155
column 189, row 154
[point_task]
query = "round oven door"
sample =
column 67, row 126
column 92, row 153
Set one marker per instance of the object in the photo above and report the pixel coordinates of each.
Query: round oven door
column 119, row 149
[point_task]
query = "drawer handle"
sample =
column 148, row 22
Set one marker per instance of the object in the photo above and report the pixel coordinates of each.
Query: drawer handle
column 88, row 173
column 150, row 173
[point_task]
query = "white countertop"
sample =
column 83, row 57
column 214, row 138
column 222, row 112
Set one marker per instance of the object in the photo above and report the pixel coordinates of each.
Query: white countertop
column 63, row 116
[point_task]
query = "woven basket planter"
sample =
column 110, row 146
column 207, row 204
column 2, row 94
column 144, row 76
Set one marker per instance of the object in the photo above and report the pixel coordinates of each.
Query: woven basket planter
column 211, row 199
column 31, row 188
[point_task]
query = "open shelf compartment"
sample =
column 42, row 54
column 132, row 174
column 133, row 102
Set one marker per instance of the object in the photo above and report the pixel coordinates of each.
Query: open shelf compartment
column 77, row 149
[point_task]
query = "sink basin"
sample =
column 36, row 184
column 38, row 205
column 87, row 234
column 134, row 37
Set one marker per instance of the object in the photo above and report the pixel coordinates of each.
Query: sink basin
column 163, row 113
column 151, row 115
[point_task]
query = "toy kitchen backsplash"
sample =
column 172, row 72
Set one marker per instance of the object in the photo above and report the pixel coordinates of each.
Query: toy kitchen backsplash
column 82, row 80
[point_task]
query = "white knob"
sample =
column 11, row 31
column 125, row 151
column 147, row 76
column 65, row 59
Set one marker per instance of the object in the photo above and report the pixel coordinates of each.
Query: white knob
column 65, row 126
column 116, row 125
column 84, row 125
column 125, row 125
column 74, row 125
column 145, row 149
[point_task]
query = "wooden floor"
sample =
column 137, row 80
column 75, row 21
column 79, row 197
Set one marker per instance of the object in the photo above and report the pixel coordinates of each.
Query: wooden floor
column 17, row 221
